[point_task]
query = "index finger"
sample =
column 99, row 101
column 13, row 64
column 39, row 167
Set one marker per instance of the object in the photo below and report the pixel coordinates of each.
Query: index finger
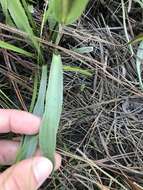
column 18, row 122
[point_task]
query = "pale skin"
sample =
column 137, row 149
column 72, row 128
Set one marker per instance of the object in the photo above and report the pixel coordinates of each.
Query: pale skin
column 28, row 174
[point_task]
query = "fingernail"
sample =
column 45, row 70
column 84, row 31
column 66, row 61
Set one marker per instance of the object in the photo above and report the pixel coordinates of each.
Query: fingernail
column 42, row 169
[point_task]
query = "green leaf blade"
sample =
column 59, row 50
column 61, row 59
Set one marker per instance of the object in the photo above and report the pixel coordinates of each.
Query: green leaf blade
column 40, row 103
column 76, row 11
column 30, row 142
column 19, row 16
column 78, row 70
column 67, row 11
column 15, row 9
column 27, row 148
column 8, row 46
column 53, row 109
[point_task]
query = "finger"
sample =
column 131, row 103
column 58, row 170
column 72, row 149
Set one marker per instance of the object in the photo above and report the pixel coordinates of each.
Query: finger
column 36, row 170
column 9, row 150
column 58, row 159
column 18, row 122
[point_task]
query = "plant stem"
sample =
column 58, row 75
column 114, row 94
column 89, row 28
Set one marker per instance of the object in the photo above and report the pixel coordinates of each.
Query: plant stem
column 29, row 15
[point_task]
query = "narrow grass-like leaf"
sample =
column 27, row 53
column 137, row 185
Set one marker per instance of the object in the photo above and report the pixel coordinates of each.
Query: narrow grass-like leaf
column 49, row 15
column 83, row 50
column 32, row 22
column 52, row 23
column 4, row 5
column 20, row 19
column 136, row 39
column 39, row 106
column 29, row 143
column 34, row 93
column 44, row 18
column 78, row 70
column 8, row 46
column 67, row 11
column 18, row 15
column 139, row 61
column 53, row 109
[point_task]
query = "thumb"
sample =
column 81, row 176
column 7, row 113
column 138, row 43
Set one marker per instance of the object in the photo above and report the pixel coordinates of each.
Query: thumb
column 26, row 175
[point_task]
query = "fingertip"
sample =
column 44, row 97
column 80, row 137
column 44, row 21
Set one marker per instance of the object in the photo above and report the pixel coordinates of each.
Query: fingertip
column 42, row 168
column 58, row 161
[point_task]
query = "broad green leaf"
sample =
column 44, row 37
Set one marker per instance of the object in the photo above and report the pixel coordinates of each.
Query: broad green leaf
column 8, row 46
column 53, row 109
column 68, row 11
column 27, row 148
column 29, row 143
column 139, row 61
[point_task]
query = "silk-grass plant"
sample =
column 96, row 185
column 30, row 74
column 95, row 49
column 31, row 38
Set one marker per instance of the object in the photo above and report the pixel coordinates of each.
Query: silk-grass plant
column 47, row 99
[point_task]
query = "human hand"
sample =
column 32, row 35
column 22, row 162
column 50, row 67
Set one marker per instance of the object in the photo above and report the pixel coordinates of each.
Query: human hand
column 28, row 174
